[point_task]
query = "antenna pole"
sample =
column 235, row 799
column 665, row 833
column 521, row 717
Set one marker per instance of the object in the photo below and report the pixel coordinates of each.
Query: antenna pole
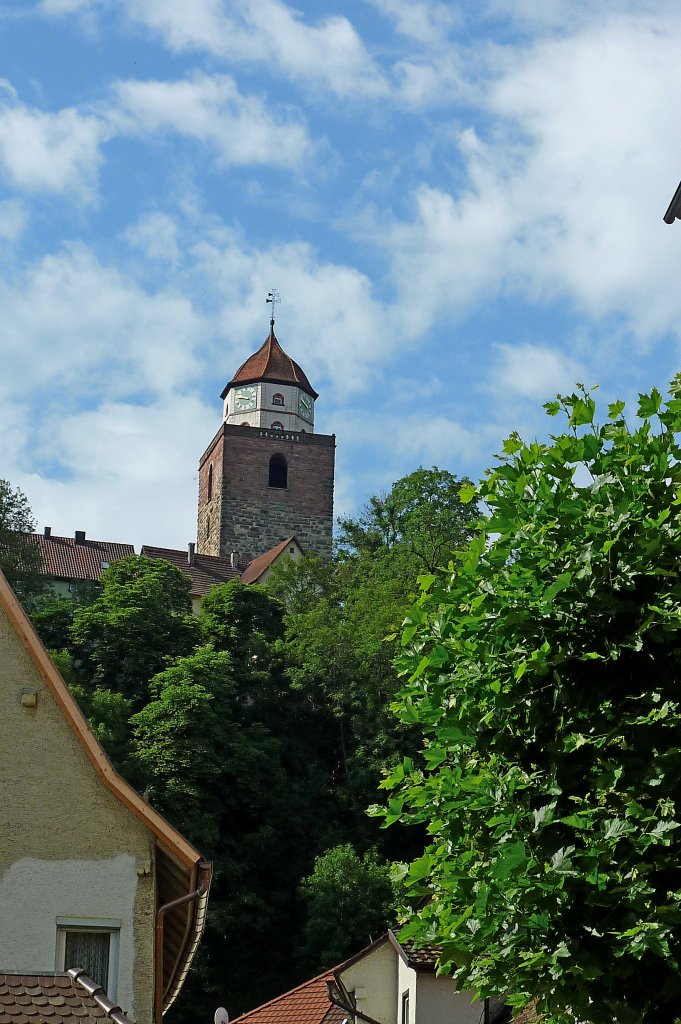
column 273, row 297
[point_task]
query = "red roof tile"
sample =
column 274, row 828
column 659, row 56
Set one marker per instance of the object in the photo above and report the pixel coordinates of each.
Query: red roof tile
column 206, row 571
column 306, row 1004
column 424, row 957
column 71, row 998
column 270, row 362
column 64, row 558
column 257, row 567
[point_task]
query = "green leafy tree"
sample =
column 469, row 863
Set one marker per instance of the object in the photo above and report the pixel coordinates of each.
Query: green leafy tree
column 543, row 672
column 19, row 560
column 218, row 776
column 52, row 619
column 349, row 901
column 140, row 622
column 422, row 516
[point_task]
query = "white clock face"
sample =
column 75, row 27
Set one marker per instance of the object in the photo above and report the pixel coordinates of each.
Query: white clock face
column 244, row 398
column 305, row 407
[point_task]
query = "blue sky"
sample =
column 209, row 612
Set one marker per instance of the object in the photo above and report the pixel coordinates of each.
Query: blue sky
column 459, row 203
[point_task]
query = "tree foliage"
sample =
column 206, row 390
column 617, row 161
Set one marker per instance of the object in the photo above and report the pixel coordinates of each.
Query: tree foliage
column 543, row 672
column 139, row 623
column 349, row 900
column 19, row 561
column 422, row 517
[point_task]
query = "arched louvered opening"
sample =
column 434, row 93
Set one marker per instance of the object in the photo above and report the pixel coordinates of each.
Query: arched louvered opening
column 278, row 471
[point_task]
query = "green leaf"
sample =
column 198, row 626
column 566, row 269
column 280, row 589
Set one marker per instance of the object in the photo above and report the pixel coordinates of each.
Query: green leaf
column 511, row 856
column 649, row 405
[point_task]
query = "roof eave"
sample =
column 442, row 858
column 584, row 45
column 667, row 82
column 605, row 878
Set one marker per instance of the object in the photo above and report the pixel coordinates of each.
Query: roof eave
column 307, row 388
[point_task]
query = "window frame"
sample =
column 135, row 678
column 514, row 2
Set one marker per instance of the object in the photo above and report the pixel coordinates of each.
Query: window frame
column 278, row 400
column 100, row 926
column 404, row 1013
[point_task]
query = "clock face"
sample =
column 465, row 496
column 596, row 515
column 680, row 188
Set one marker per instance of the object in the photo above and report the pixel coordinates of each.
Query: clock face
column 244, row 398
column 305, row 407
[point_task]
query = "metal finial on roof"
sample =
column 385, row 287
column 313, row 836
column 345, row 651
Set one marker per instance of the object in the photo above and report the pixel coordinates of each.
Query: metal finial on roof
column 273, row 297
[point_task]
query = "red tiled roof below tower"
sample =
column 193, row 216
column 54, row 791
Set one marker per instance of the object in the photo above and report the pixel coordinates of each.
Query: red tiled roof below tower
column 75, row 558
column 270, row 362
column 306, row 1004
column 204, row 571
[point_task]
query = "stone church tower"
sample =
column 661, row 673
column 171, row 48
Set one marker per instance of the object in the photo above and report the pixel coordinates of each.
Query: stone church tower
column 266, row 475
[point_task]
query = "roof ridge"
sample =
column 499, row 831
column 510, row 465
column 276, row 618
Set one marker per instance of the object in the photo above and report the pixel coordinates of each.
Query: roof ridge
column 98, row 993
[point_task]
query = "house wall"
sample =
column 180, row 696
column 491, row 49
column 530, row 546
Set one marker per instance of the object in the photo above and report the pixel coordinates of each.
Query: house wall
column 292, row 551
column 373, row 979
column 439, row 1002
column 407, row 979
column 68, row 847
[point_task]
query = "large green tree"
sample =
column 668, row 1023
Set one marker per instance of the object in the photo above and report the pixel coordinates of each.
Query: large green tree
column 19, row 560
column 421, row 518
column 349, row 901
column 544, row 674
column 140, row 622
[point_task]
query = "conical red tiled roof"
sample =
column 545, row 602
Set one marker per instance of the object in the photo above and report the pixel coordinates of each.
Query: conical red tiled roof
column 271, row 363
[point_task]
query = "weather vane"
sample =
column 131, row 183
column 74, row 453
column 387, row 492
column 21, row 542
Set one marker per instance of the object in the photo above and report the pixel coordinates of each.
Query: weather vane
column 273, row 297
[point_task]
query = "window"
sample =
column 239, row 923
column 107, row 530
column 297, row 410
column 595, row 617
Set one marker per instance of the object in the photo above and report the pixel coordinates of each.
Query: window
column 405, row 1008
column 278, row 399
column 210, row 481
column 277, row 425
column 278, row 471
column 90, row 944
column 207, row 526
column 244, row 424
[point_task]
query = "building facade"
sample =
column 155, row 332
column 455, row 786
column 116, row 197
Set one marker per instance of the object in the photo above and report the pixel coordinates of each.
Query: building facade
column 91, row 877
column 266, row 475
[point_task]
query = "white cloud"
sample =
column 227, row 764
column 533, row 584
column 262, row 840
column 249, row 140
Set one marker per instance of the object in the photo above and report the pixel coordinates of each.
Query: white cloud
column 422, row 21
column 565, row 193
column 155, row 234
column 128, row 471
column 211, row 109
column 50, row 152
column 534, row 371
column 329, row 53
column 68, row 316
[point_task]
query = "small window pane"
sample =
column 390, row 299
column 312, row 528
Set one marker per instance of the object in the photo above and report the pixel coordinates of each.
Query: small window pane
column 89, row 950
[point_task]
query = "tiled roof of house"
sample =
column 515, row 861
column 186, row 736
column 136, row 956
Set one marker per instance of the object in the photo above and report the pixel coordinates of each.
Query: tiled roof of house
column 306, row 1004
column 257, row 567
column 425, row 957
column 71, row 998
column 70, row 559
column 528, row 1014
column 270, row 362
column 204, row 572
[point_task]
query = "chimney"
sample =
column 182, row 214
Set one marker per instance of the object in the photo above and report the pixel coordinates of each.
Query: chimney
column 191, row 548
column 80, row 536
column 234, row 559
column 47, row 531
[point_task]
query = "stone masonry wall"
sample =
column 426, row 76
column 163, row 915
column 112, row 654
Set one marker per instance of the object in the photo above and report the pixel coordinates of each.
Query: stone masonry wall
column 252, row 516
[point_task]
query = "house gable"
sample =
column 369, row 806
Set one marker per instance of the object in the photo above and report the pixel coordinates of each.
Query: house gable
column 77, row 843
